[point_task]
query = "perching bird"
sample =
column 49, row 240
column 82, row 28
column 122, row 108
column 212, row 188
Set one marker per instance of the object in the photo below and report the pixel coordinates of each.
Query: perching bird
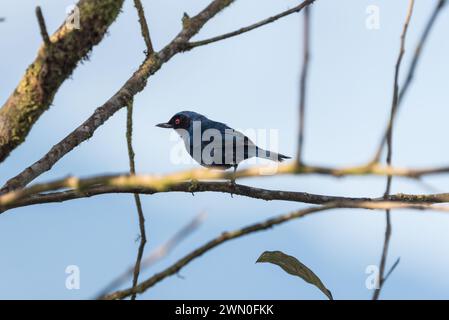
column 213, row 144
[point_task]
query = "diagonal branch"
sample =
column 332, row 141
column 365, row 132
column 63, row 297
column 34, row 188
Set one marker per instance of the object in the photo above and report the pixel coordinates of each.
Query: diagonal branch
column 42, row 26
column 53, row 65
column 261, row 226
column 259, row 24
column 157, row 254
column 144, row 26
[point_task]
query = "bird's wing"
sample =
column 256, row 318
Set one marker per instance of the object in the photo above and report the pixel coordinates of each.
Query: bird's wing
column 232, row 135
column 237, row 146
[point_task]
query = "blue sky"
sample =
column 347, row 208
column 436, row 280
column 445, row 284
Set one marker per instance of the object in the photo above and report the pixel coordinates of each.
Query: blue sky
column 249, row 81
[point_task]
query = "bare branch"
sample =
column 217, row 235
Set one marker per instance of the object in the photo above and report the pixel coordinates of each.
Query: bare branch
column 394, row 106
column 411, row 71
column 132, row 167
column 159, row 253
column 303, row 83
column 90, row 187
column 261, row 226
column 393, row 267
column 240, row 31
column 163, row 182
column 144, row 26
column 283, row 169
column 42, row 26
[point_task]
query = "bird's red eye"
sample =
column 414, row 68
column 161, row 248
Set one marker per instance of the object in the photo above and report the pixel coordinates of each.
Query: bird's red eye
column 177, row 121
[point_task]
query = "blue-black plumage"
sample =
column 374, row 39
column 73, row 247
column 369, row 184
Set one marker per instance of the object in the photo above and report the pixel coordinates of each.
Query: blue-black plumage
column 214, row 144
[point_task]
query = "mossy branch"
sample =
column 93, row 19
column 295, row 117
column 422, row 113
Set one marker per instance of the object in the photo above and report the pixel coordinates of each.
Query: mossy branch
column 55, row 62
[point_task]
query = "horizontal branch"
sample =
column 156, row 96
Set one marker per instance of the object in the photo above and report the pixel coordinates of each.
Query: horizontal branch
column 140, row 184
column 268, row 224
column 259, row 24
column 160, row 182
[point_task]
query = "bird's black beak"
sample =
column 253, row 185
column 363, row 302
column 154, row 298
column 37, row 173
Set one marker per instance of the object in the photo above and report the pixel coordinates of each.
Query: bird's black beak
column 164, row 125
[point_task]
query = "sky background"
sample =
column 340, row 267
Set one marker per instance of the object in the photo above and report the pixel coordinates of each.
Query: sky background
column 250, row 81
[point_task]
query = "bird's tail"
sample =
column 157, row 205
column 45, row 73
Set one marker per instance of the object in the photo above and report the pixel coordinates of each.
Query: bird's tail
column 270, row 155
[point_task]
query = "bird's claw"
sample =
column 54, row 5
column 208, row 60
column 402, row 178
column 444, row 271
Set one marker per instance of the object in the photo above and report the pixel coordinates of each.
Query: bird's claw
column 193, row 186
column 232, row 185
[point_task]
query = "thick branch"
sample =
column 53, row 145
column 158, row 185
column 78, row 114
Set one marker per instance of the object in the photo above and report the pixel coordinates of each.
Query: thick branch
column 54, row 63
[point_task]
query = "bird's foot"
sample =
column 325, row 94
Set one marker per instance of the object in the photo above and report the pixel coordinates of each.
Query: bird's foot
column 193, row 186
column 232, row 186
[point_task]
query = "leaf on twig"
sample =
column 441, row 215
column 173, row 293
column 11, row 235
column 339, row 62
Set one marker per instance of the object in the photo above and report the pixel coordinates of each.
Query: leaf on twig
column 294, row 267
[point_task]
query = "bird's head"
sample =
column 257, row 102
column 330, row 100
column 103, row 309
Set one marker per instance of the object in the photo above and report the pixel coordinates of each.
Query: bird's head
column 182, row 120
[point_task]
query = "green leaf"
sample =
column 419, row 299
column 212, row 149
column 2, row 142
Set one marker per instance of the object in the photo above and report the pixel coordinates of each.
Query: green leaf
column 294, row 267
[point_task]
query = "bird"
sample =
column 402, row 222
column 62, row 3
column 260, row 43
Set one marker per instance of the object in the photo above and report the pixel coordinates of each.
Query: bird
column 214, row 144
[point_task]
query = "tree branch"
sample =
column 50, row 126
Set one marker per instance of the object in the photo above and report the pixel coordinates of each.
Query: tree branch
column 147, row 185
column 157, row 254
column 132, row 170
column 42, row 26
column 144, row 26
column 261, row 226
column 258, row 171
column 411, row 71
column 38, row 86
column 303, row 83
column 259, row 24
column 394, row 106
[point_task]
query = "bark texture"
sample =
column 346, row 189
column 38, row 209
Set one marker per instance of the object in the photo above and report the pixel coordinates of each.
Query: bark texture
column 54, row 63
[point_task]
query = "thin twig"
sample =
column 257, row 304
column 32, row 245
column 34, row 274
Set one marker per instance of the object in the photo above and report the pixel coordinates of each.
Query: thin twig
column 132, row 167
column 411, row 70
column 395, row 264
column 240, row 31
column 265, row 225
column 394, row 106
column 144, row 26
column 303, row 83
column 42, row 26
column 157, row 254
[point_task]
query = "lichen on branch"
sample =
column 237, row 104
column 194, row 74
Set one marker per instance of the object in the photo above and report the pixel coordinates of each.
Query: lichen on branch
column 54, row 63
